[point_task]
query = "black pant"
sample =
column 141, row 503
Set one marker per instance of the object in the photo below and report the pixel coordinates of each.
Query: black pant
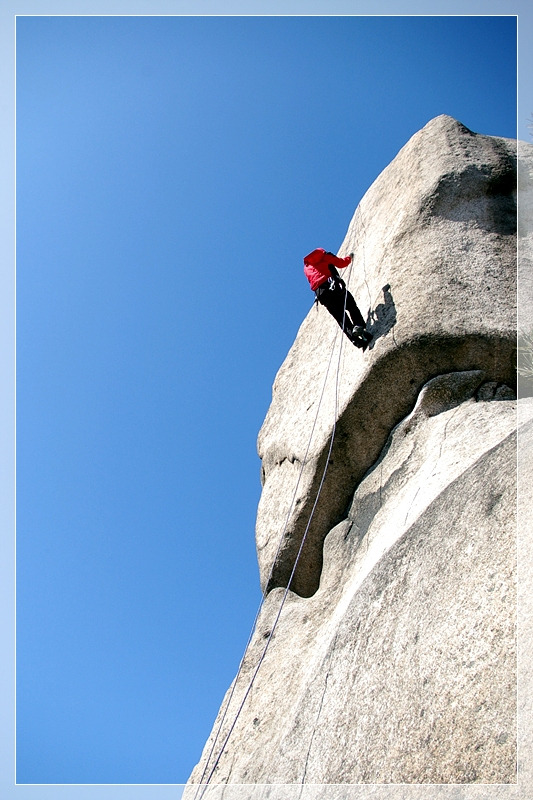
column 340, row 303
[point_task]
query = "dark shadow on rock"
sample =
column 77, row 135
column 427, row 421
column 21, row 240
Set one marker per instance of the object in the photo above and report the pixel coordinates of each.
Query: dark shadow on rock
column 387, row 394
column 383, row 318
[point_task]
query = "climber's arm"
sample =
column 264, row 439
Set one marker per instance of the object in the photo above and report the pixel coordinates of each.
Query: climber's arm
column 341, row 263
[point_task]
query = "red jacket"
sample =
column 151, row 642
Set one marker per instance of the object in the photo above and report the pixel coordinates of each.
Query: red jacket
column 316, row 266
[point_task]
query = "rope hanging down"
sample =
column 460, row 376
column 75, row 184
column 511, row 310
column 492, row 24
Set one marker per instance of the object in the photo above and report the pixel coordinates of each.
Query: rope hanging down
column 254, row 624
column 201, row 784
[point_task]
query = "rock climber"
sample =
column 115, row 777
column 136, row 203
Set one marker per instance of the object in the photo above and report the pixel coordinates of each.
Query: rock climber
column 320, row 268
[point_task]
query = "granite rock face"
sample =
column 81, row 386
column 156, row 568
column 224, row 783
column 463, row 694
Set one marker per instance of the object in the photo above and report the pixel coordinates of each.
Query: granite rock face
column 391, row 659
column 434, row 272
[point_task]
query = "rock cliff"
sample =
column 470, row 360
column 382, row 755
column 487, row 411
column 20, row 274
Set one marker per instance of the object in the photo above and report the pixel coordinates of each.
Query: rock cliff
column 391, row 659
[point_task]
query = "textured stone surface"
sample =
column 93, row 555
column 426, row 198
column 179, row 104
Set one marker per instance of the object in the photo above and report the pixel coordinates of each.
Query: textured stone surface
column 392, row 659
column 437, row 229
column 521, row 790
column 401, row 667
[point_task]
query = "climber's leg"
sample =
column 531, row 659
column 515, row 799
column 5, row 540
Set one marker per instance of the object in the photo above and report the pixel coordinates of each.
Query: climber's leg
column 333, row 300
column 353, row 311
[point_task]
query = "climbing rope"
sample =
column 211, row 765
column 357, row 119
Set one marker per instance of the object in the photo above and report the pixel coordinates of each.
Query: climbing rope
column 201, row 784
column 267, row 582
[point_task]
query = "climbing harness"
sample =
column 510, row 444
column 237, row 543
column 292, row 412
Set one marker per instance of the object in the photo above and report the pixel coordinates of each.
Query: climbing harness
column 203, row 785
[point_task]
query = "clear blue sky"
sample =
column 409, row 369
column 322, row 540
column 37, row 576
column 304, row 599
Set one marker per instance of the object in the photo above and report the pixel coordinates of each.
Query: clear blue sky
column 171, row 174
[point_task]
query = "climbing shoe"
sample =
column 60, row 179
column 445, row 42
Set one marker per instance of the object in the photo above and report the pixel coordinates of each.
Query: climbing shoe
column 361, row 337
column 357, row 335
